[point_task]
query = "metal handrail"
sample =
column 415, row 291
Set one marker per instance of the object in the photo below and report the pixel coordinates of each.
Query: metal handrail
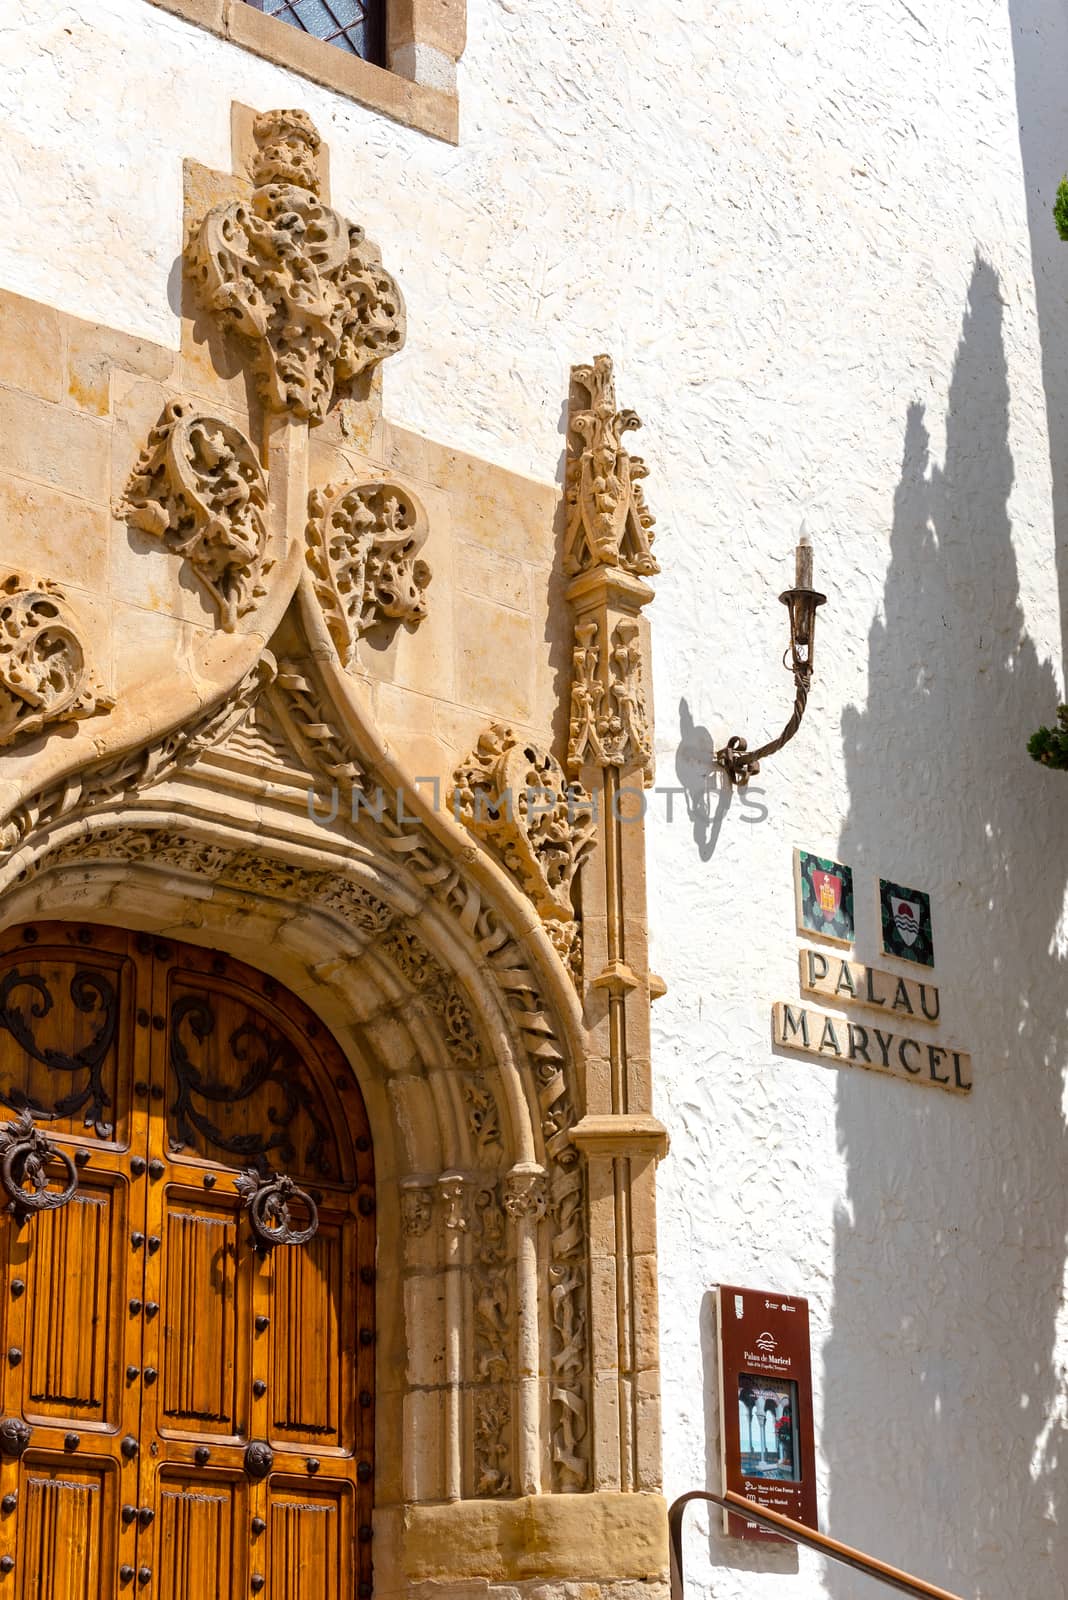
column 893, row 1577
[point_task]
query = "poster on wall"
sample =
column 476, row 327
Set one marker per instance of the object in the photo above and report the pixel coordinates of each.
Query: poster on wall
column 766, row 1434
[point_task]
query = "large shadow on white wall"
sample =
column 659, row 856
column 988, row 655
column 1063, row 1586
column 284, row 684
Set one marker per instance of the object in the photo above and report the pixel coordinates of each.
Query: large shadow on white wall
column 1040, row 54
column 943, row 1414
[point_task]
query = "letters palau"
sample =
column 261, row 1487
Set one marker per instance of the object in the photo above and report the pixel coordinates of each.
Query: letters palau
column 852, row 983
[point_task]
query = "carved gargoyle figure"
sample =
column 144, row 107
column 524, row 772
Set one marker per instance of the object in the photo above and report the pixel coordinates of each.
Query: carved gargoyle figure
column 517, row 798
column 608, row 522
column 363, row 549
column 199, row 487
column 295, row 278
column 44, row 676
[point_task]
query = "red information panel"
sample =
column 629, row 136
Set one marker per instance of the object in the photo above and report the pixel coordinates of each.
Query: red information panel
column 766, row 1406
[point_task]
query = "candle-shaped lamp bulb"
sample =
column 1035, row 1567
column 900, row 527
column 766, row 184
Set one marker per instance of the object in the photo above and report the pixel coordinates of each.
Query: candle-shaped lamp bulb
column 804, row 562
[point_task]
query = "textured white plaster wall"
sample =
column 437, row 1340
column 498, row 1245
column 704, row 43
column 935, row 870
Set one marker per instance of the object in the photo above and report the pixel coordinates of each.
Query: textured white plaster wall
column 816, row 241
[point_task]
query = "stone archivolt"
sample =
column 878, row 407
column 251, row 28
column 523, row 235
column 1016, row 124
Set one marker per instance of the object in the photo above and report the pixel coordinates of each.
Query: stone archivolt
column 199, row 487
column 363, row 550
column 518, row 798
column 500, row 1447
column 44, row 675
column 294, row 278
column 608, row 522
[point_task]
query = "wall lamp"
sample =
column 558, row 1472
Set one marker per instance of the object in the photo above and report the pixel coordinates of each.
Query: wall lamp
column 736, row 759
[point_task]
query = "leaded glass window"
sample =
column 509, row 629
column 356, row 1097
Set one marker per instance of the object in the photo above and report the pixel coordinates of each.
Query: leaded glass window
column 357, row 26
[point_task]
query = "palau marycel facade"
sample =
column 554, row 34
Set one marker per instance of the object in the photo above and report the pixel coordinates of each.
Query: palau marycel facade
column 484, row 1050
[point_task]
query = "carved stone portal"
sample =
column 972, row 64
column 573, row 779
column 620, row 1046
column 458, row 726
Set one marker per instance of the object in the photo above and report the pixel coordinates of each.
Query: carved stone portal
column 199, row 487
column 295, row 278
column 363, row 549
column 608, row 522
column 518, row 798
column 44, row 676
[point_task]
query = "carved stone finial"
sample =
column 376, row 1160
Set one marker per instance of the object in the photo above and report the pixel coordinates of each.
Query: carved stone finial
column 293, row 277
column 609, row 720
column 608, row 522
column 44, row 676
column 416, row 1204
column 287, row 149
column 525, row 1192
column 199, row 487
column 518, row 798
column 363, row 549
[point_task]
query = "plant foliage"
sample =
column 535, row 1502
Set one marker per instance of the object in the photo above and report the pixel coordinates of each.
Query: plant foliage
column 1060, row 208
column 1050, row 745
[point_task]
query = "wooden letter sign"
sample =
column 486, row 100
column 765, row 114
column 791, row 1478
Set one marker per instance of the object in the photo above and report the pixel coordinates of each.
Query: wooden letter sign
column 765, row 1374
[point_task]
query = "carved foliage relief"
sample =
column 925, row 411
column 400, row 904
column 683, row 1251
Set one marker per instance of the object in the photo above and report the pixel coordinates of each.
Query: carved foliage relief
column 518, row 798
column 608, row 522
column 609, row 720
column 363, row 549
column 199, row 487
column 492, row 1304
column 289, row 274
column 44, row 673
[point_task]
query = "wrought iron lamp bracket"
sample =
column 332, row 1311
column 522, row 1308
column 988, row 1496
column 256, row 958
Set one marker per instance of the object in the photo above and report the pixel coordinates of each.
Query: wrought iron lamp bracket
column 736, row 759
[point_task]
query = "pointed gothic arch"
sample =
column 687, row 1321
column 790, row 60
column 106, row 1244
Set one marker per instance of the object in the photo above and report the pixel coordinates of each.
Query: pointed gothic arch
column 455, row 1011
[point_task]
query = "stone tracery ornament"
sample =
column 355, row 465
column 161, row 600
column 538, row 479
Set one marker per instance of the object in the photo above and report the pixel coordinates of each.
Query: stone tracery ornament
column 518, row 798
column 608, row 522
column 199, row 487
column 44, row 675
column 364, row 541
column 609, row 720
column 292, row 276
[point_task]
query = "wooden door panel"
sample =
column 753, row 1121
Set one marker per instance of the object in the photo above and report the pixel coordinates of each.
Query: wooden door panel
column 73, row 1333
column 65, row 1543
column 310, row 1387
column 148, row 1333
column 310, row 1542
column 204, row 1324
column 238, row 1089
column 65, row 1036
column 200, row 1541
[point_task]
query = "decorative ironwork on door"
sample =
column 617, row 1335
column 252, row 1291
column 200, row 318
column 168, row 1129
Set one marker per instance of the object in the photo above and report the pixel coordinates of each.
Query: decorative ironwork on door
column 187, row 1295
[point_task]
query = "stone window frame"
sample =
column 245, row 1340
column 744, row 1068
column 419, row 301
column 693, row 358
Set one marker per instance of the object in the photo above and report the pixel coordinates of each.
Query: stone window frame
column 424, row 41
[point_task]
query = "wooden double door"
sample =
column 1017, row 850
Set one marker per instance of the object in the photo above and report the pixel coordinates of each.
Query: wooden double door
column 187, row 1293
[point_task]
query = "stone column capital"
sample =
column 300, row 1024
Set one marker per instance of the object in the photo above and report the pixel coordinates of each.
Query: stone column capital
column 525, row 1192
column 454, row 1192
column 416, row 1197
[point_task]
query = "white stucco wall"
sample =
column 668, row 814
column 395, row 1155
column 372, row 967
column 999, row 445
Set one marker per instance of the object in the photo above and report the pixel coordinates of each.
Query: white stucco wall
column 816, row 241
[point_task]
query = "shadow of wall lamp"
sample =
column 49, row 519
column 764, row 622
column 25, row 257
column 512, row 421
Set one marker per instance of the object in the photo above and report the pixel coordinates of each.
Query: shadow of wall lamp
column 736, row 759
